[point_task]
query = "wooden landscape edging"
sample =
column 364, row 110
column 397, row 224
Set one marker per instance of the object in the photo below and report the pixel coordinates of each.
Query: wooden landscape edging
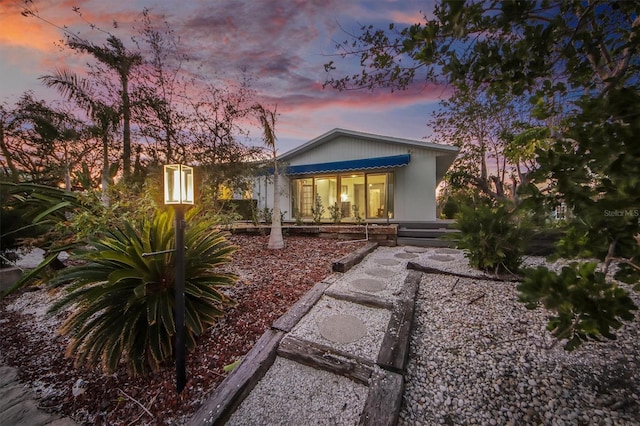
column 348, row 261
column 429, row 270
column 394, row 351
column 326, row 358
column 382, row 406
column 231, row 392
column 361, row 299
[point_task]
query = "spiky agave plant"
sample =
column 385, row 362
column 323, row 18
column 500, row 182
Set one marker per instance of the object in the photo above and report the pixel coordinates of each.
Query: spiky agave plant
column 122, row 304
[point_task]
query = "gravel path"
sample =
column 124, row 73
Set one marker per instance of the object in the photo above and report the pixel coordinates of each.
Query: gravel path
column 479, row 357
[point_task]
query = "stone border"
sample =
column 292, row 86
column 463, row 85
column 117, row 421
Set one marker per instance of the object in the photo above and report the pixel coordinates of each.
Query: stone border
column 361, row 299
column 18, row 405
column 380, row 233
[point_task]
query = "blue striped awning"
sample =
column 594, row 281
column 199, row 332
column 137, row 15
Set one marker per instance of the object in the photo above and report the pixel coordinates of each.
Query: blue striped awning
column 351, row 165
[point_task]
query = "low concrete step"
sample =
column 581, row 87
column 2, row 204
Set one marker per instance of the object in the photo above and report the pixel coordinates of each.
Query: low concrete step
column 425, row 233
column 437, row 224
column 424, row 242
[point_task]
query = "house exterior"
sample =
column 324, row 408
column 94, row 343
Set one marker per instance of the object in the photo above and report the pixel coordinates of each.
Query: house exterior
column 367, row 176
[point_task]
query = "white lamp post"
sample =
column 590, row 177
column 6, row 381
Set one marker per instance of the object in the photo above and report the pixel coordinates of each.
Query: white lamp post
column 179, row 192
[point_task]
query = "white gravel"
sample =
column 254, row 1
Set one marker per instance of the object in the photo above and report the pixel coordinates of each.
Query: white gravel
column 491, row 361
column 315, row 396
column 31, row 257
column 37, row 303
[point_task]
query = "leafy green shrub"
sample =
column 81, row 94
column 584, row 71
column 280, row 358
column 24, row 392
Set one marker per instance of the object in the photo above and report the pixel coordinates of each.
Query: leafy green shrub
column 38, row 217
column 586, row 306
column 317, row 211
column 267, row 215
column 123, row 303
column 356, row 214
column 492, row 233
column 450, row 208
column 298, row 216
column 335, row 212
column 241, row 208
column 255, row 216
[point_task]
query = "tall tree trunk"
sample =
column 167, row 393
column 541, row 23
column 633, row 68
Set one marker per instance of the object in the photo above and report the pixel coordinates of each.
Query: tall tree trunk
column 126, row 131
column 268, row 121
column 67, row 171
column 104, row 179
column 275, row 237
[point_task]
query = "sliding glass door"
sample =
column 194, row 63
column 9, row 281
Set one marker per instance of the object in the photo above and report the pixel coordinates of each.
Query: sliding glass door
column 357, row 195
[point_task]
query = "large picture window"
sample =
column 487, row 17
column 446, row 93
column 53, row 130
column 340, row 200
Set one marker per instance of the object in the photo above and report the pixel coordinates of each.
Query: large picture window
column 363, row 195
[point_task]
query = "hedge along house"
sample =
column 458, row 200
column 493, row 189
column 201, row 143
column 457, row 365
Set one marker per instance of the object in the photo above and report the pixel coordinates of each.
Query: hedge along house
column 377, row 178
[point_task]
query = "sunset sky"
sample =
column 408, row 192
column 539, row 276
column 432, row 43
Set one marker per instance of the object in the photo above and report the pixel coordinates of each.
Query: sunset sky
column 282, row 44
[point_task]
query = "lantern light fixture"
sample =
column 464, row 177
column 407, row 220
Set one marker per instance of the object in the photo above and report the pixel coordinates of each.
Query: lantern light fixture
column 178, row 184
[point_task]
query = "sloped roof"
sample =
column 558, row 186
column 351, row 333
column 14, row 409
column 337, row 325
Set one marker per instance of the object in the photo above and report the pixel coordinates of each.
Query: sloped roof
column 445, row 154
column 337, row 132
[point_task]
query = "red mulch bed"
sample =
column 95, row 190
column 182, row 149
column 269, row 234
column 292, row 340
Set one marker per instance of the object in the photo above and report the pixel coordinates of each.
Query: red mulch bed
column 271, row 281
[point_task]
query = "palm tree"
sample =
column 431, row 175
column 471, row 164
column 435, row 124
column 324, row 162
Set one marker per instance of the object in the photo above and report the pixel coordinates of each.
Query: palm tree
column 268, row 121
column 115, row 56
column 106, row 117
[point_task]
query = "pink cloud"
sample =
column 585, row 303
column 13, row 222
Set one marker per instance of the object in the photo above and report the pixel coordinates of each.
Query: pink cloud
column 282, row 45
column 377, row 100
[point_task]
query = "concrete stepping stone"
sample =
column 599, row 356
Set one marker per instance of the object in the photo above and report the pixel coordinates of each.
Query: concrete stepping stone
column 380, row 272
column 387, row 262
column 342, row 328
column 446, row 250
column 376, row 320
column 442, row 257
column 368, row 284
column 416, row 249
column 296, row 394
column 406, row 255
